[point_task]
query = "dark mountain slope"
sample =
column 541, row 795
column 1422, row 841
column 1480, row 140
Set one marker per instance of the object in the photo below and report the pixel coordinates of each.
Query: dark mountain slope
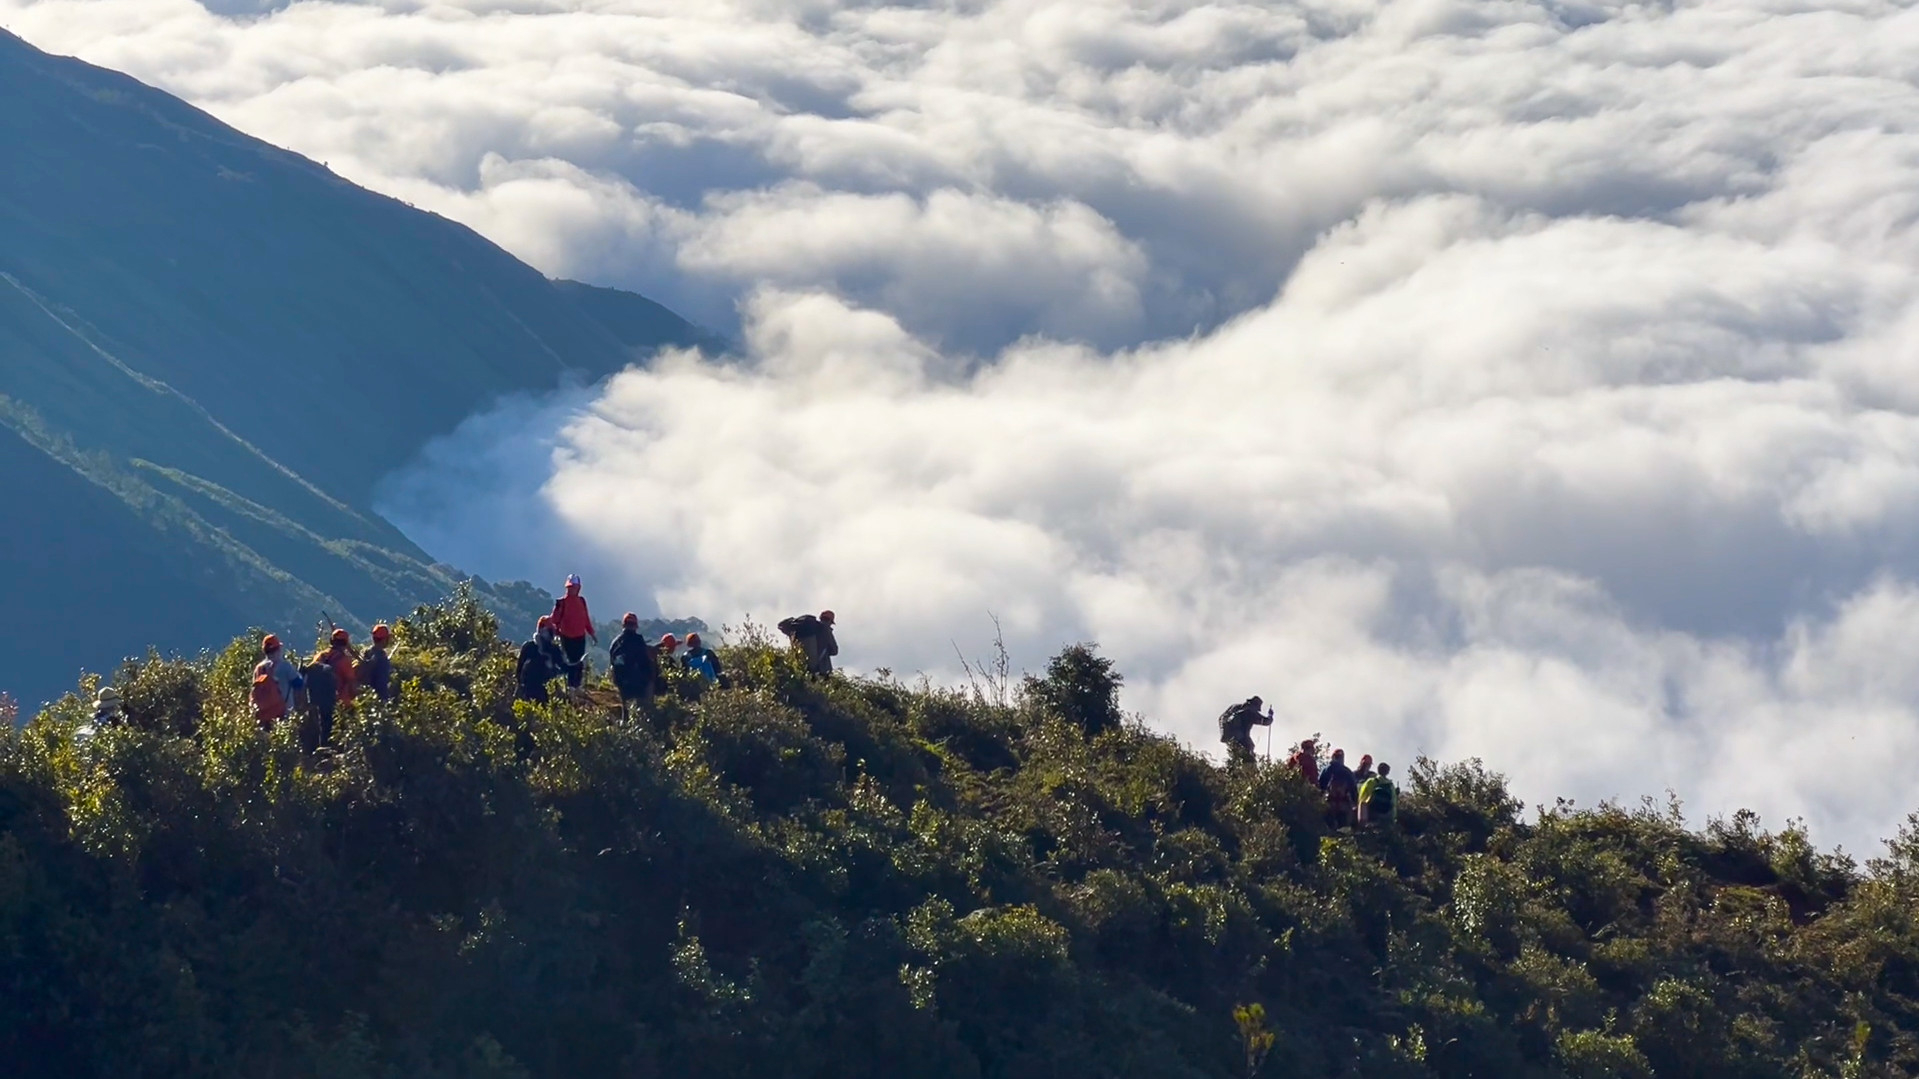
column 216, row 349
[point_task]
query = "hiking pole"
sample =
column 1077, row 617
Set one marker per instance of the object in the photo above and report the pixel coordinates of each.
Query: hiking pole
column 1269, row 734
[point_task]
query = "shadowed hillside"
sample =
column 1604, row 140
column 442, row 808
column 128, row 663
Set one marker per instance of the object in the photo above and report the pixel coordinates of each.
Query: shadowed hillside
column 807, row 878
column 212, row 349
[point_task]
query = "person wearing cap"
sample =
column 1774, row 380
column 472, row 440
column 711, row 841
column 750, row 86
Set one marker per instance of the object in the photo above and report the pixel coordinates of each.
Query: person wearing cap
column 1305, row 761
column 1342, row 792
column 635, row 667
column 106, row 713
column 703, row 661
column 573, row 625
column 813, row 637
column 541, row 661
column 284, row 674
column 339, row 656
column 375, row 668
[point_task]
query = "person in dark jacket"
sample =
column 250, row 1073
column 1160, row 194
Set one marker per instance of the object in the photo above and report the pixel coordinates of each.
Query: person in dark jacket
column 1365, row 770
column 375, row 669
column 1342, row 790
column 1236, row 727
column 573, row 624
column 635, row 668
column 541, row 661
column 813, row 638
column 323, row 697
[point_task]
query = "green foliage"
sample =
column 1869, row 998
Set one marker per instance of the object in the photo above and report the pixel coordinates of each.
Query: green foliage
column 809, row 878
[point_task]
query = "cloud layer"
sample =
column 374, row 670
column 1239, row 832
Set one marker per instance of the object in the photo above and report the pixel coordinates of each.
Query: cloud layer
column 1537, row 381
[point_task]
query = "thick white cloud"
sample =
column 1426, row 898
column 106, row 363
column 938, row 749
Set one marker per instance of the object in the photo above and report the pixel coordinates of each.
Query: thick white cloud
column 1525, row 380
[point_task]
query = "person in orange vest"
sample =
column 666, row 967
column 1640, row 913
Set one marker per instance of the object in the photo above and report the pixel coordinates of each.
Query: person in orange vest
column 274, row 682
column 573, row 625
column 339, row 656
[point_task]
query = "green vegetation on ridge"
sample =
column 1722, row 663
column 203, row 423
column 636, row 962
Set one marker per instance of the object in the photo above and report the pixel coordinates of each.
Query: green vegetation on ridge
column 856, row 877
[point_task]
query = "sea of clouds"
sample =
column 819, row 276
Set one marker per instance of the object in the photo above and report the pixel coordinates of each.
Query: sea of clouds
column 1536, row 381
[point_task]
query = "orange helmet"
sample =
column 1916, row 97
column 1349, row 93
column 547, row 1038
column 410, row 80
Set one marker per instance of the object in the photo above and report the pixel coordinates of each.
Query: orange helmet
column 826, row 617
column 269, row 643
column 340, row 637
column 692, row 640
column 669, row 642
column 382, row 633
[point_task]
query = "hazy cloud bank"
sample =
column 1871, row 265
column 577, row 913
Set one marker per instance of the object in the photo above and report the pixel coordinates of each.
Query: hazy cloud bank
column 1535, row 381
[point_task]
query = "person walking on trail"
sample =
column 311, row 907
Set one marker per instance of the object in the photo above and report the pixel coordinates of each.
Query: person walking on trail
column 339, row 656
column 635, row 667
column 703, row 661
column 573, row 624
column 541, row 661
column 1378, row 798
column 1305, row 761
column 1236, row 727
column 275, row 681
column 323, row 697
column 813, row 637
column 1342, row 792
column 106, row 713
column 375, row 669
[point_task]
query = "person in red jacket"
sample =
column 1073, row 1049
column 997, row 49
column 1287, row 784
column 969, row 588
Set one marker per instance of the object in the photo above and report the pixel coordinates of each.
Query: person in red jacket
column 1306, row 761
column 573, row 625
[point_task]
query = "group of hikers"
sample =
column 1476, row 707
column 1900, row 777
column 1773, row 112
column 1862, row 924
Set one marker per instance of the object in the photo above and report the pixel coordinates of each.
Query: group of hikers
column 1365, row 795
column 558, row 646
column 336, row 674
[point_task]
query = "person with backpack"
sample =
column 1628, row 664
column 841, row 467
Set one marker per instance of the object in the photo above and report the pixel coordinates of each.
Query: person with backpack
column 1342, row 793
column 1236, row 727
column 573, row 625
column 703, row 661
column 274, row 683
column 1305, row 761
column 1365, row 770
column 374, row 671
column 341, row 658
column 813, row 638
column 541, row 661
column 1378, row 798
column 635, row 666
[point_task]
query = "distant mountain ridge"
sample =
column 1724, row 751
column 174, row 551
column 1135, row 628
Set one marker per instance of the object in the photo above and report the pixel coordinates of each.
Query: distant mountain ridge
column 212, row 350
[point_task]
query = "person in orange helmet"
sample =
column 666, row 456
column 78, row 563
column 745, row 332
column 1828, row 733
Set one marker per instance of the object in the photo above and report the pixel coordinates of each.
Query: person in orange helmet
column 573, row 625
column 375, row 669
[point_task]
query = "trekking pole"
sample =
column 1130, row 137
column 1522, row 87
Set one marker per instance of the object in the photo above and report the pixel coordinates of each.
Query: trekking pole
column 1269, row 734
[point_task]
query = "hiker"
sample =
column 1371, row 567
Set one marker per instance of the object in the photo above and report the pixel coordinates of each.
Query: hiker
column 814, row 639
column 1305, row 761
column 1378, row 798
column 1236, row 727
column 1342, row 794
column 106, row 713
column 541, row 661
column 323, row 697
column 573, row 625
column 635, row 668
column 275, row 681
column 1365, row 770
column 339, row 656
column 703, row 661
column 375, row 669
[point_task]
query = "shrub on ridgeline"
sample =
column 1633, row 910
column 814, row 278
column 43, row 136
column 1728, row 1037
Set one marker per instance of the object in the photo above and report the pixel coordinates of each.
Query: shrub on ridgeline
column 851, row 877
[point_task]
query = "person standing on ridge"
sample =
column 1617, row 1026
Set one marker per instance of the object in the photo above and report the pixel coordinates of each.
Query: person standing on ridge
column 339, row 656
column 1342, row 793
column 375, row 668
column 323, row 697
column 274, row 683
column 1305, row 761
column 1365, row 770
column 541, row 661
column 635, row 667
column 703, row 661
column 1378, row 798
column 1236, row 727
column 573, row 625
column 814, row 639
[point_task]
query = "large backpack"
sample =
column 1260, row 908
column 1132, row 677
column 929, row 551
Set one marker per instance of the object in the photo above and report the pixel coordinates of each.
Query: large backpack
column 269, row 703
column 802, row 628
column 1379, row 798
